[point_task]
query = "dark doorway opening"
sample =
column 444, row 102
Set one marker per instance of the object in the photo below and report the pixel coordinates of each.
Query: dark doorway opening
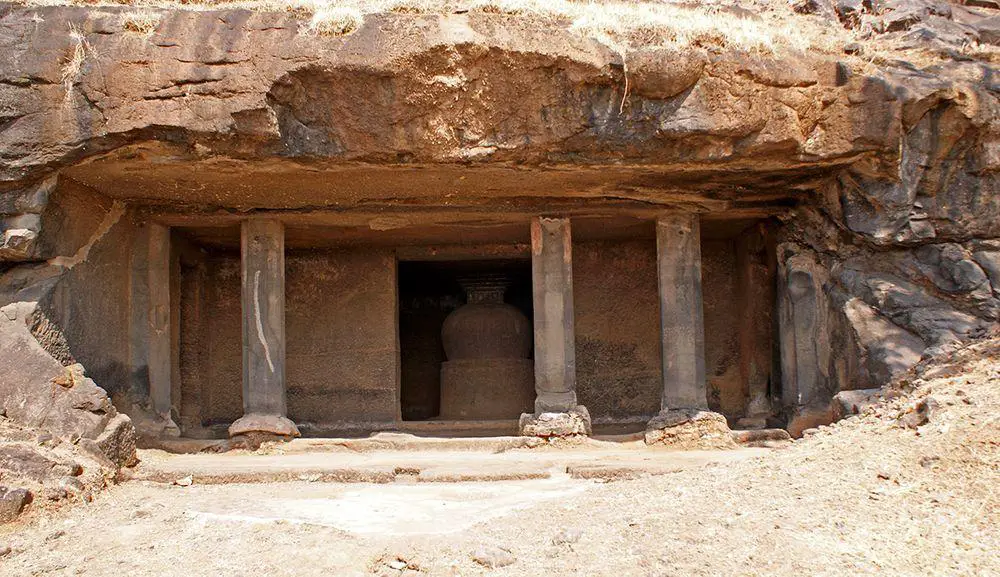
column 428, row 292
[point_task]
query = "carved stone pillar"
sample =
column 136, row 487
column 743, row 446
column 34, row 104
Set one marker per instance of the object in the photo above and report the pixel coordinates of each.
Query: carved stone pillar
column 684, row 419
column 756, row 291
column 556, row 410
column 805, row 340
column 263, row 274
column 158, row 318
column 682, row 328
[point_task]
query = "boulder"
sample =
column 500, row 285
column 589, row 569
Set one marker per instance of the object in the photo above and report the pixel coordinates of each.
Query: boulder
column 911, row 307
column 949, row 267
column 784, row 73
column 808, row 417
column 761, row 437
column 37, row 391
column 989, row 261
column 849, row 12
column 493, row 557
column 117, row 441
column 847, row 403
column 12, row 502
column 888, row 349
column 648, row 77
column 988, row 30
column 918, row 414
column 17, row 244
column 818, row 7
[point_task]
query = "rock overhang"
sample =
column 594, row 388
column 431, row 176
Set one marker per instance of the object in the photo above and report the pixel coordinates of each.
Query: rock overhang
column 466, row 88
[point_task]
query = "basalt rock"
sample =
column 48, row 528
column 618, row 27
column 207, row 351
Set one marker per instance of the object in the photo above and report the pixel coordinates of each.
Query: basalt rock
column 880, row 176
column 39, row 392
column 919, row 414
column 25, row 462
column 847, row 403
column 262, row 88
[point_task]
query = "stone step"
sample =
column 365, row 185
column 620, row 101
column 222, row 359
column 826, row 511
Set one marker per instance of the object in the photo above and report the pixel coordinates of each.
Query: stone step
column 301, row 461
column 398, row 441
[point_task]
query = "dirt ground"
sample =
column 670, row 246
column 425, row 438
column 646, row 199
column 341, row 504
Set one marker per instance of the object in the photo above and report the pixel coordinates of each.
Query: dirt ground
column 863, row 497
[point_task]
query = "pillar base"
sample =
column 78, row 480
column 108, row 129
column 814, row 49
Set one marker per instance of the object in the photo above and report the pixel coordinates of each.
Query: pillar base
column 260, row 423
column 152, row 426
column 573, row 423
column 689, row 429
column 170, row 429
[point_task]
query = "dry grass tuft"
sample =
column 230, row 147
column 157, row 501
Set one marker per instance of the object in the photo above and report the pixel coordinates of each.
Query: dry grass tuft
column 143, row 22
column 406, row 7
column 335, row 21
column 71, row 68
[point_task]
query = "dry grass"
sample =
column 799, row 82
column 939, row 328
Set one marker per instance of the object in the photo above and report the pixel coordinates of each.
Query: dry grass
column 140, row 22
column 623, row 25
column 335, row 21
column 71, row 68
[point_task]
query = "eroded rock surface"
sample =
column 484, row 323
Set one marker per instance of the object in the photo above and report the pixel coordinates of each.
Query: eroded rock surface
column 39, row 392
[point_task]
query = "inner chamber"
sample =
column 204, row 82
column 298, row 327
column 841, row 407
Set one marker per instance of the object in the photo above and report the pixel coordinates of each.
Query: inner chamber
column 465, row 339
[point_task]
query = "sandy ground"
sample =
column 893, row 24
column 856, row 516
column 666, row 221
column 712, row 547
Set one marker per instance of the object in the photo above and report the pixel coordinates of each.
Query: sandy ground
column 864, row 497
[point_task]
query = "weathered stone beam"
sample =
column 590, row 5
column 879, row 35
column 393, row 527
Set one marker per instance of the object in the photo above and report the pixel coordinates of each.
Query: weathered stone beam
column 390, row 217
column 678, row 254
column 446, row 252
column 263, row 273
column 159, row 361
column 556, row 409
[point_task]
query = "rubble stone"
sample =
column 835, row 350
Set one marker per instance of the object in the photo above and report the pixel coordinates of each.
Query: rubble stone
column 554, row 425
column 12, row 502
column 493, row 557
column 689, row 429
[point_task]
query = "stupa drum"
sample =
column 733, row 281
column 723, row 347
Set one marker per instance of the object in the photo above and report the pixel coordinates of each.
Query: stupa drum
column 488, row 374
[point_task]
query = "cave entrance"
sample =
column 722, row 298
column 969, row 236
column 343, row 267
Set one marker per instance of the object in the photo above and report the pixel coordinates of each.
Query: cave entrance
column 465, row 339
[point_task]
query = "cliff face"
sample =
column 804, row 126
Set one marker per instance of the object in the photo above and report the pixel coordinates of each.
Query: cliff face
column 886, row 170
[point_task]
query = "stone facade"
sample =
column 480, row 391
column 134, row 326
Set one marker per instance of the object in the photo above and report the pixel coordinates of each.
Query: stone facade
column 217, row 234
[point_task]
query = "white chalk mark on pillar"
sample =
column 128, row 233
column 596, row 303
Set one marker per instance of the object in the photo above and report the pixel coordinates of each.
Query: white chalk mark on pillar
column 256, row 318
